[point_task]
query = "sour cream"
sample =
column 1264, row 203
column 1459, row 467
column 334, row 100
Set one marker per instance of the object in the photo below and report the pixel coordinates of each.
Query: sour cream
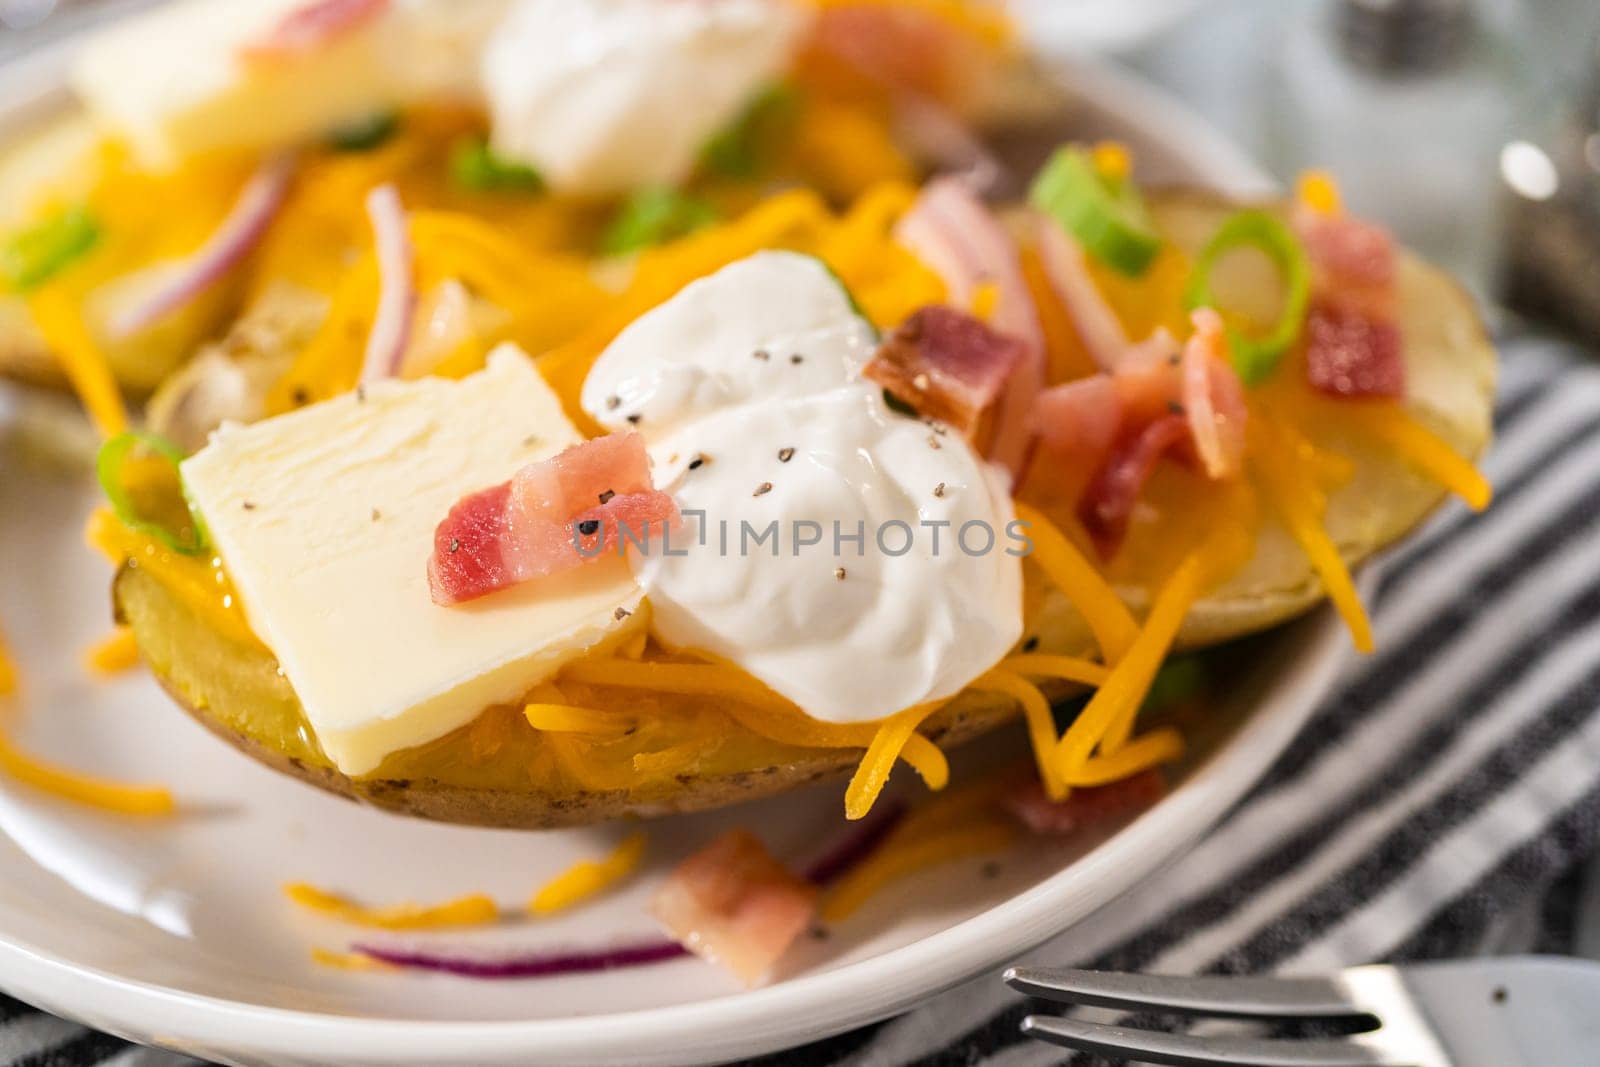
column 606, row 96
column 857, row 561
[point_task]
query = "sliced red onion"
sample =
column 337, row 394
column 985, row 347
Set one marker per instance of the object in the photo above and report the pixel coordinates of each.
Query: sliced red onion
column 865, row 838
column 952, row 231
column 397, row 295
column 530, row 965
column 238, row 235
column 311, row 26
column 1068, row 267
column 935, row 133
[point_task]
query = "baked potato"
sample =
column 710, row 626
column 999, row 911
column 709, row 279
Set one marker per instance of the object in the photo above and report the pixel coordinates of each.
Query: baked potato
column 494, row 772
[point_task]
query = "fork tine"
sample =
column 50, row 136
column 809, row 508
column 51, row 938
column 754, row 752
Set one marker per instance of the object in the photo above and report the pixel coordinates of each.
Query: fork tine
column 1255, row 998
column 1185, row 1050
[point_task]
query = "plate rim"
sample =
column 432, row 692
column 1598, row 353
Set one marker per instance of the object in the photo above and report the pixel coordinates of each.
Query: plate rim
column 806, row 1008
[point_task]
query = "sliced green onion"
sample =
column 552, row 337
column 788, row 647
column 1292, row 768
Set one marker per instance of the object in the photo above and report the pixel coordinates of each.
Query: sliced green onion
column 365, row 134
column 476, row 166
column 746, row 146
column 1179, row 679
column 655, row 216
column 1107, row 216
column 114, row 454
column 1255, row 358
column 33, row 256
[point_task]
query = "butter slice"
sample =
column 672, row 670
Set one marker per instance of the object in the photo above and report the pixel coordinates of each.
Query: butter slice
column 325, row 519
column 174, row 84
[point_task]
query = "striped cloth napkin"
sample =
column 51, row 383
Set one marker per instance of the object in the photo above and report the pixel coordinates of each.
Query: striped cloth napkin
column 1439, row 804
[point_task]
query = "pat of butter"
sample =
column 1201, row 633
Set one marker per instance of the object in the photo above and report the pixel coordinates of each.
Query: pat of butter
column 174, row 82
column 325, row 520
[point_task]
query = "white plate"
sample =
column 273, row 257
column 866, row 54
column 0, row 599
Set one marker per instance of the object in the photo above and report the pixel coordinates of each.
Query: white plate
column 174, row 932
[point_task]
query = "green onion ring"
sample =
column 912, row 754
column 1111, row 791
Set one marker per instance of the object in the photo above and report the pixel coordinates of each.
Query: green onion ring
column 1255, row 358
column 108, row 468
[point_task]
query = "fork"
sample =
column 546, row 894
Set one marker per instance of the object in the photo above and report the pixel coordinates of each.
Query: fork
column 1530, row 1010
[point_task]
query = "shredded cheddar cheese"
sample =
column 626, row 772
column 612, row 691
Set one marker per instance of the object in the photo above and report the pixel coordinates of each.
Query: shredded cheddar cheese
column 10, row 677
column 475, row 910
column 1041, row 723
column 589, row 878
column 85, row 365
column 1318, row 192
column 83, row 789
column 564, row 718
column 986, row 301
column 887, row 744
column 1423, row 449
column 1066, row 668
column 1301, row 505
column 905, row 854
column 1113, row 160
column 348, row 961
column 1113, row 624
column 1159, row 746
column 1108, row 718
column 115, row 654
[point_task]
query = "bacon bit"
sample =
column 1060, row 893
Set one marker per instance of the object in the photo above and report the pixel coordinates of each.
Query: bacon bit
column 1107, row 504
column 1354, row 346
column 540, row 522
column 947, row 365
column 1351, row 355
column 475, row 910
column 1079, row 421
column 1067, row 267
column 311, row 27
column 1083, row 807
column 951, row 230
column 735, row 905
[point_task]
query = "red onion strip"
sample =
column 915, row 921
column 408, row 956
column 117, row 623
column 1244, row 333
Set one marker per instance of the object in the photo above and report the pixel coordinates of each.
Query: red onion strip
column 397, row 296
column 849, row 853
column 931, row 130
column 532, row 965
column 238, row 235
column 312, row 26
column 1098, row 327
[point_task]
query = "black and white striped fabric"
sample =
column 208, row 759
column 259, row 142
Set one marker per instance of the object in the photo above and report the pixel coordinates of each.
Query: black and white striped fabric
column 1441, row 802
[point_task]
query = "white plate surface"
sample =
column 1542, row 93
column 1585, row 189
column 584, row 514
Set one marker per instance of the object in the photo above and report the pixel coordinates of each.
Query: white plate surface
column 175, row 933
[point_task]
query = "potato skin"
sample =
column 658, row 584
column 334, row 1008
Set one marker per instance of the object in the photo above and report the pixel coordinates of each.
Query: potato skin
column 1456, row 363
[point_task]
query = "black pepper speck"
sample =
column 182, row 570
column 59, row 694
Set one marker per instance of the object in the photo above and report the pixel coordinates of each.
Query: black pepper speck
column 785, row 455
column 763, row 489
column 589, row 527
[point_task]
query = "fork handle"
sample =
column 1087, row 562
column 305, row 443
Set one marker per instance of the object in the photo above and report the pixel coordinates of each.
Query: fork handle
column 1522, row 1011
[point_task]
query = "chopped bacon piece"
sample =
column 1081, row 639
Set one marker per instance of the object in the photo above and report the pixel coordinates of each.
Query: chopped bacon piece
column 1083, row 807
column 1354, row 345
column 1351, row 354
column 947, row 365
column 735, row 905
column 1067, row 266
column 1347, row 251
column 951, row 230
column 313, row 26
column 1107, row 504
column 1078, row 421
column 571, row 509
column 1119, row 424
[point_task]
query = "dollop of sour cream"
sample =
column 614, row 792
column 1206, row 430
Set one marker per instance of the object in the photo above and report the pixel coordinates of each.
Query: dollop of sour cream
column 857, row 561
column 606, row 96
